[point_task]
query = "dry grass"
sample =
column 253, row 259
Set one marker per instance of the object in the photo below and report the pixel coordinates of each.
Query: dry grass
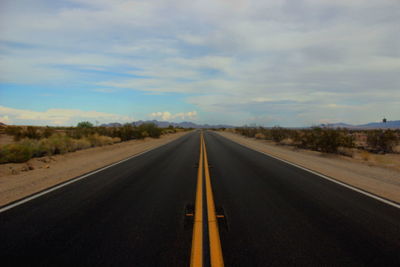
column 391, row 161
column 26, row 149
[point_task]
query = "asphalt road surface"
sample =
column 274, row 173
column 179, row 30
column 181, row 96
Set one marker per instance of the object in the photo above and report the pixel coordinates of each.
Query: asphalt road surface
column 135, row 214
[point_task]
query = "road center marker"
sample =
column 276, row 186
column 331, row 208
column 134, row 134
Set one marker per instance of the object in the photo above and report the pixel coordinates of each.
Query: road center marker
column 196, row 259
column 214, row 246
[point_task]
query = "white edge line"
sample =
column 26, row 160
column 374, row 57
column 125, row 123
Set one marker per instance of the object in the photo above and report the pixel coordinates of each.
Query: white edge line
column 73, row 180
column 325, row 177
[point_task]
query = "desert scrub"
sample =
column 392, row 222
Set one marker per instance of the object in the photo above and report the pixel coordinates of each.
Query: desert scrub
column 99, row 140
column 320, row 139
column 55, row 144
column 31, row 132
column 382, row 140
column 41, row 141
column 15, row 153
column 150, row 129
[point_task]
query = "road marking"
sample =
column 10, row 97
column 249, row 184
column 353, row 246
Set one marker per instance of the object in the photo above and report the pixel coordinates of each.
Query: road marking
column 216, row 257
column 214, row 246
column 386, row 201
column 196, row 259
column 73, row 180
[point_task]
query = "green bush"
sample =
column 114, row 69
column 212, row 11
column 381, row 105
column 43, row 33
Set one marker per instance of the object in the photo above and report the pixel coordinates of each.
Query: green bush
column 85, row 124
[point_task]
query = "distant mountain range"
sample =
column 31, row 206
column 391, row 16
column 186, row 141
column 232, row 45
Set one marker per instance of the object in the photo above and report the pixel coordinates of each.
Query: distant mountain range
column 165, row 124
column 371, row 125
column 187, row 124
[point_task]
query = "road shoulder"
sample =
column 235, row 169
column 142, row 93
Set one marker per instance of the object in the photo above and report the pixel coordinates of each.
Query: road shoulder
column 379, row 181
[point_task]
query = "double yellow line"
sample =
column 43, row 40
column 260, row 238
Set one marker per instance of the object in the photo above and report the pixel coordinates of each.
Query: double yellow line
column 197, row 258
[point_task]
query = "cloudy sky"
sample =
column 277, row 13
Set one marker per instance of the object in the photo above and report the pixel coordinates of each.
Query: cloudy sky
column 288, row 63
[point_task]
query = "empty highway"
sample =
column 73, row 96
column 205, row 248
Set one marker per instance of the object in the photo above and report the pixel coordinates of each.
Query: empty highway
column 157, row 209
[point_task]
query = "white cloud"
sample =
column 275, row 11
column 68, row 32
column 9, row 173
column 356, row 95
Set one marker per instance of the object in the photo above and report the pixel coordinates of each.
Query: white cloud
column 63, row 117
column 227, row 56
column 166, row 115
column 5, row 119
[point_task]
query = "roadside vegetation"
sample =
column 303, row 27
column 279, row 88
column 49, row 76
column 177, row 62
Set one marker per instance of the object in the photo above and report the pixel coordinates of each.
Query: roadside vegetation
column 33, row 141
column 328, row 140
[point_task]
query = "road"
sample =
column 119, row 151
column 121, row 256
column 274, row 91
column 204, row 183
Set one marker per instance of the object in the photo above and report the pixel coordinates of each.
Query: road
column 138, row 213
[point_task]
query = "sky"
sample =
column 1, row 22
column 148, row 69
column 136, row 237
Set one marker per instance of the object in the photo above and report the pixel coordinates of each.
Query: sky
column 288, row 63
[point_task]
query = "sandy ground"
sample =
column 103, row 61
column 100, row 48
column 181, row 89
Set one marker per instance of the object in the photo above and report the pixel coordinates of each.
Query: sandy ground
column 382, row 181
column 18, row 180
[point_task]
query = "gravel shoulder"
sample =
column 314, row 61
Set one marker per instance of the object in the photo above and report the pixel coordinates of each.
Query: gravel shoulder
column 381, row 181
column 18, row 180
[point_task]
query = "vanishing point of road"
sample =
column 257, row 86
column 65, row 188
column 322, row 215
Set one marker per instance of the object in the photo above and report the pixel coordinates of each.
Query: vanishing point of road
column 201, row 200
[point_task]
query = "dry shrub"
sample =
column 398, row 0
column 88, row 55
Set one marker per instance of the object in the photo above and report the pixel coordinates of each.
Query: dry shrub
column 31, row 132
column 279, row 133
column 259, row 136
column 365, row 155
column 99, row 140
column 382, row 140
column 144, row 134
column 81, row 144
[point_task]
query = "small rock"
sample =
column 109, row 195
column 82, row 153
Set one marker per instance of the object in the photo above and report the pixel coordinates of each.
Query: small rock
column 47, row 166
column 30, row 166
column 24, row 169
column 14, row 171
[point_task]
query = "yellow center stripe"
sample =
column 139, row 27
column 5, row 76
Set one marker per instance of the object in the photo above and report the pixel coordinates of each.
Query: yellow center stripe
column 215, row 243
column 197, row 239
column 216, row 258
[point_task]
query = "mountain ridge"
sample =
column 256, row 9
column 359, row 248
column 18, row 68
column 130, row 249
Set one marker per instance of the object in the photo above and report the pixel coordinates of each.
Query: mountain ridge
column 187, row 124
column 371, row 125
column 165, row 124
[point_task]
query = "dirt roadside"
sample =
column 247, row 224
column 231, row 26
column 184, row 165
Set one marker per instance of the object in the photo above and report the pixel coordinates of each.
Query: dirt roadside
column 384, row 182
column 18, row 180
